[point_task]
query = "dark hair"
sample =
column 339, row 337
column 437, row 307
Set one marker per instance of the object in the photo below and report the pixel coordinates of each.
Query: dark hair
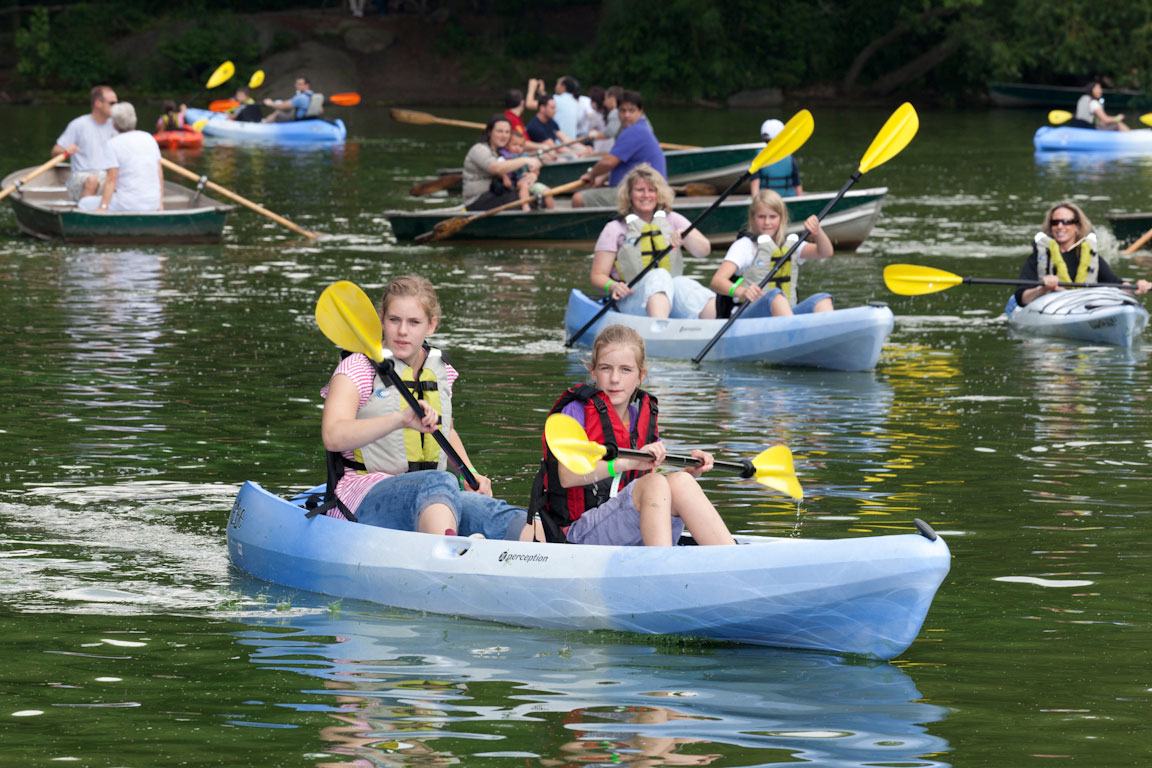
column 307, row 82
column 500, row 117
column 630, row 97
column 614, row 91
column 98, row 93
column 512, row 99
column 571, row 85
column 543, row 99
column 597, row 94
column 169, row 106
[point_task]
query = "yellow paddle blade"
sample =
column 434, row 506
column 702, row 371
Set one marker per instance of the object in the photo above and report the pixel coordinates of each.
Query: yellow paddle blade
column 222, row 74
column 199, row 125
column 346, row 316
column 257, row 79
column 570, row 445
column 1146, row 118
column 911, row 280
column 1059, row 116
column 774, row 468
column 893, row 137
column 791, row 137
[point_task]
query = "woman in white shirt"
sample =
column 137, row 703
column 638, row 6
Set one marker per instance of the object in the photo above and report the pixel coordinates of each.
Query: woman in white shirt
column 135, row 180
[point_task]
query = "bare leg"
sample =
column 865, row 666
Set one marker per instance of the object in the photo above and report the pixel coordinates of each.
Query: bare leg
column 691, row 505
column 437, row 518
column 780, row 306
column 824, row 305
column 658, row 305
column 653, row 499
column 91, row 186
column 578, row 200
column 709, row 311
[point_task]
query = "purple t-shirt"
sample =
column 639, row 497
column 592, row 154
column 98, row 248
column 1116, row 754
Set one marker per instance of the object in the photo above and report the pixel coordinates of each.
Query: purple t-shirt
column 636, row 144
column 575, row 409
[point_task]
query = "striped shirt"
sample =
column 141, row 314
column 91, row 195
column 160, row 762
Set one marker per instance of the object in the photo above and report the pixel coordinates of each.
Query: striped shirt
column 353, row 487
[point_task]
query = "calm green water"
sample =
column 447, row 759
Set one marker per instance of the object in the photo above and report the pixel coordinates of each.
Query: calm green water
column 143, row 386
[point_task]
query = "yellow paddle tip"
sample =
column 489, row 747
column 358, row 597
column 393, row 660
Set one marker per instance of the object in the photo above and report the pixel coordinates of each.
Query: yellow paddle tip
column 775, row 469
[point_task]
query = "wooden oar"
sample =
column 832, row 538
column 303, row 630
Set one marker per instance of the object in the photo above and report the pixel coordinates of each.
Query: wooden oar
column 897, row 131
column 791, row 138
column 1140, row 241
column 413, row 117
column 55, row 161
column 347, row 317
column 450, row 227
column 570, row 445
column 912, row 280
column 242, row 200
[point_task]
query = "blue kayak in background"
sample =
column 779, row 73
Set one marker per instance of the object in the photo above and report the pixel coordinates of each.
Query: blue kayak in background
column 1065, row 139
column 313, row 130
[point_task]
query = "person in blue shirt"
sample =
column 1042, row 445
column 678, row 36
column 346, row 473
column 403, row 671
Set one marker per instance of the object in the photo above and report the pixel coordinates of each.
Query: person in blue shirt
column 299, row 107
column 782, row 176
column 636, row 144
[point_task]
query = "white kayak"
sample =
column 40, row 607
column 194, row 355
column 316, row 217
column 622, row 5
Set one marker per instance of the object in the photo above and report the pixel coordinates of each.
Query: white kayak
column 865, row 596
column 843, row 339
column 1100, row 315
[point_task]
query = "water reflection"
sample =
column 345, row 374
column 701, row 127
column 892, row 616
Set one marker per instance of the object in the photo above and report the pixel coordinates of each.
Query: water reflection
column 430, row 691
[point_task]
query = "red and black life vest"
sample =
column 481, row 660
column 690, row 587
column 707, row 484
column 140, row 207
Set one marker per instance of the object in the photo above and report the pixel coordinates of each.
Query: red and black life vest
column 558, row 506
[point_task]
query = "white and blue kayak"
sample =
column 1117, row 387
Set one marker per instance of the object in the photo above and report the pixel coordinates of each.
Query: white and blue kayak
column 313, row 130
column 1065, row 139
column 843, row 339
column 1099, row 315
column 866, row 596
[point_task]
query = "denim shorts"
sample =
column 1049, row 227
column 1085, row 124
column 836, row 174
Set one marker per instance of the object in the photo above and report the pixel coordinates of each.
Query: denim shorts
column 762, row 307
column 397, row 502
column 495, row 518
column 615, row 522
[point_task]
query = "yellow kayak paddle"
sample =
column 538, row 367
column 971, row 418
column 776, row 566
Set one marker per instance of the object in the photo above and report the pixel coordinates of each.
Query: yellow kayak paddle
column 911, row 280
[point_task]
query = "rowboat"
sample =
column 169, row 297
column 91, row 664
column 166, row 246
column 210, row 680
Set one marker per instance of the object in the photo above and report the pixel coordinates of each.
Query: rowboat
column 43, row 209
column 866, row 596
column 313, row 130
column 178, row 139
column 843, row 339
column 848, row 224
column 1128, row 227
column 1036, row 96
column 1098, row 315
column 1066, row 139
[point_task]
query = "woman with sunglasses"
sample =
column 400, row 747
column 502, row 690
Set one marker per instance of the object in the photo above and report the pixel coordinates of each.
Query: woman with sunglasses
column 1065, row 252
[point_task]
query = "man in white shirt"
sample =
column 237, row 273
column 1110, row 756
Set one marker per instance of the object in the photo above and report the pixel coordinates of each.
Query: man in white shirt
column 567, row 107
column 84, row 140
column 135, row 179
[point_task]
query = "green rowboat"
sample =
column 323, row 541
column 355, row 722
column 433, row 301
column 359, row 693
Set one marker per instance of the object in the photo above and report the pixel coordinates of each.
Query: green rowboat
column 847, row 225
column 1128, row 227
column 43, row 209
column 1046, row 96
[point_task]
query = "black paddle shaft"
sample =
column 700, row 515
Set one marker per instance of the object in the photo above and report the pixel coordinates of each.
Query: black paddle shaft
column 612, row 301
column 743, row 467
column 387, row 368
column 775, row 267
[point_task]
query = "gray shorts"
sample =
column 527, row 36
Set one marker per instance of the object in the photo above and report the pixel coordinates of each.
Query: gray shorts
column 600, row 196
column 75, row 183
column 616, row 522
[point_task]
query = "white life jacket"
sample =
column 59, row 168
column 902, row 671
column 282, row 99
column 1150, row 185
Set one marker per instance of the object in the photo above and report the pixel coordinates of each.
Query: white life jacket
column 1049, row 260
column 642, row 242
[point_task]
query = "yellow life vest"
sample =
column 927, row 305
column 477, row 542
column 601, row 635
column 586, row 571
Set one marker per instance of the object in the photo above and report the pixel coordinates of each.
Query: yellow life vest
column 1050, row 261
column 408, row 450
column 644, row 241
column 767, row 254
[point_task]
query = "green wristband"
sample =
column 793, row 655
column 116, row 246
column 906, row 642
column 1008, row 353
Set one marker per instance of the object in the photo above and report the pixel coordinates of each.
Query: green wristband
column 732, row 290
column 608, row 285
column 612, row 468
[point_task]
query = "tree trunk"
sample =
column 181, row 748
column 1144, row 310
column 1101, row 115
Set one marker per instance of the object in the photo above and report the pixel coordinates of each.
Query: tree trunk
column 922, row 64
column 848, row 84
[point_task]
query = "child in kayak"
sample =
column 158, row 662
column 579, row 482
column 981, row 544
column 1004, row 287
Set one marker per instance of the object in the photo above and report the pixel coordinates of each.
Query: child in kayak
column 754, row 254
column 397, row 478
column 623, row 502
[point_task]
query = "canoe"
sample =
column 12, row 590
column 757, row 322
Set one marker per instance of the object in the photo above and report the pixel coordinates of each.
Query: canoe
column 1128, row 227
column 843, row 339
column 43, row 209
column 1037, row 96
column 848, row 225
column 1098, row 315
column 178, row 139
column 866, row 596
column 1065, row 139
column 312, row 131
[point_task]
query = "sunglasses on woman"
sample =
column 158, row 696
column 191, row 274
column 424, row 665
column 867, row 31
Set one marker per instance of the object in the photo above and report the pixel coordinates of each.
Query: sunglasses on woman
column 1065, row 222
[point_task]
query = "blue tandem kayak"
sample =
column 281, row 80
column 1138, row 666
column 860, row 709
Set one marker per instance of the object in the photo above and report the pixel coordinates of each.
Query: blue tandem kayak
column 297, row 132
column 1100, row 315
column 844, row 339
column 1064, row 139
column 865, row 596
